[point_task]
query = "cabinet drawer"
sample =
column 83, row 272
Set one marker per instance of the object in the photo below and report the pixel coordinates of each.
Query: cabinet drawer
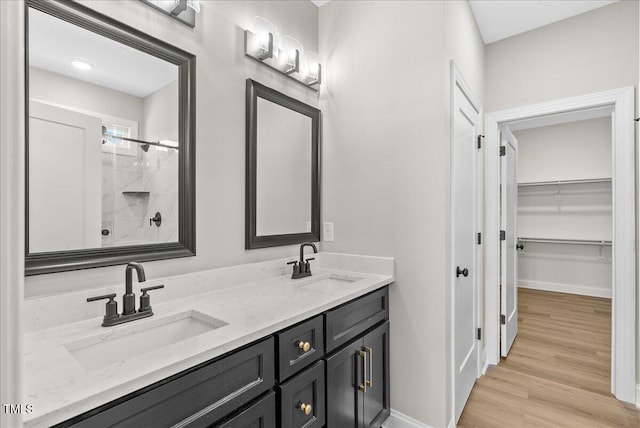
column 261, row 414
column 195, row 398
column 291, row 343
column 352, row 319
column 308, row 389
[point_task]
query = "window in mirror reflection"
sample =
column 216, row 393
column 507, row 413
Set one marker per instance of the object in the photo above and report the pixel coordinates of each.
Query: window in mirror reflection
column 283, row 185
column 93, row 103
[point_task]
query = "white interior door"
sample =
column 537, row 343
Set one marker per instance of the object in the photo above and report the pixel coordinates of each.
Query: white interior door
column 508, row 254
column 65, row 191
column 465, row 247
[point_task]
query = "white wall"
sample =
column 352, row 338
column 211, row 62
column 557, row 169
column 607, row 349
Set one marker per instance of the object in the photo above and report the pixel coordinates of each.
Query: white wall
column 571, row 151
column 386, row 169
column 222, row 69
column 160, row 114
column 592, row 52
column 65, row 91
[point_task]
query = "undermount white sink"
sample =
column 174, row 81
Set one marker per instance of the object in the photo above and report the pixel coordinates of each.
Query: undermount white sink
column 117, row 344
column 330, row 283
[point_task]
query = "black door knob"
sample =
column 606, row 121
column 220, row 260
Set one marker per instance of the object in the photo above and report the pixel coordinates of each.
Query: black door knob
column 464, row 272
column 519, row 246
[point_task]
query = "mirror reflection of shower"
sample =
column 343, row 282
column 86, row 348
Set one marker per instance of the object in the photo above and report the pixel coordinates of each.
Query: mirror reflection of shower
column 137, row 185
column 103, row 141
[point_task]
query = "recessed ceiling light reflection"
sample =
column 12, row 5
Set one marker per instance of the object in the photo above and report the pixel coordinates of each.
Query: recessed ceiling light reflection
column 81, row 65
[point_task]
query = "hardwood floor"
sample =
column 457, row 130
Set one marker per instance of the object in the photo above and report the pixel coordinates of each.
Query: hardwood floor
column 557, row 373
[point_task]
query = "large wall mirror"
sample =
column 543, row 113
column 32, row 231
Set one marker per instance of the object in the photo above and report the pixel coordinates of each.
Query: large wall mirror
column 283, row 195
column 110, row 142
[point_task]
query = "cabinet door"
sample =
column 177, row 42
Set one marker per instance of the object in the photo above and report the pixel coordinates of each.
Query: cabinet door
column 376, row 397
column 344, row 378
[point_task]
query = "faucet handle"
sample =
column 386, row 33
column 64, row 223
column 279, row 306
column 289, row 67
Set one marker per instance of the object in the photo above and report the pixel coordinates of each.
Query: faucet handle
column 155, row 287
column 145, row 299
column 106, row 296
column 297, row 268
column 307, row 265
column 111, row 307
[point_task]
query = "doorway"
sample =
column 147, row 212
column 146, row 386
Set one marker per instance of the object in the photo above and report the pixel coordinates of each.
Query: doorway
column 620, row 104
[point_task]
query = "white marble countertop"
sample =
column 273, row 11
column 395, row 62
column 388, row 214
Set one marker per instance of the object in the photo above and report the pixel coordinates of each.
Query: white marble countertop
column 58, row 387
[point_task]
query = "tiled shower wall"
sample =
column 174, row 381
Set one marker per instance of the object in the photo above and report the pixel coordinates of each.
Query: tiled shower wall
column 126, row 216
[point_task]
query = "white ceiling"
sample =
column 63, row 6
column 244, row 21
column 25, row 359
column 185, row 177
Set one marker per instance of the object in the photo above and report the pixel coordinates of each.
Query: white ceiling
column 53, row 43
column 320, row 2
column 499, row 19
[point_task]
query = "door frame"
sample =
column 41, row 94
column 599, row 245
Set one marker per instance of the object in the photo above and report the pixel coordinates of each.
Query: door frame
column 457, row 79
column 624, row 334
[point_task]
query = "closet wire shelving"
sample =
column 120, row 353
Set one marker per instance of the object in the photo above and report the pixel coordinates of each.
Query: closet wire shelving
column 559, row 240
column 560, row 182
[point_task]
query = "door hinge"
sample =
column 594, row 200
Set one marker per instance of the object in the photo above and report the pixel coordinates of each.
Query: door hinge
column 503, row 319
column 479, row 238
column 503, row 150
column 503, row 235
column 480, row 137
column 479, row 335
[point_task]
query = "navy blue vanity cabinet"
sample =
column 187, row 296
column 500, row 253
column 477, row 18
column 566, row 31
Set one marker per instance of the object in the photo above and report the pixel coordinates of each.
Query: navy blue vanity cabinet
column 331, row 370
column 357, row 374
column 198, row 397
column 260, row 414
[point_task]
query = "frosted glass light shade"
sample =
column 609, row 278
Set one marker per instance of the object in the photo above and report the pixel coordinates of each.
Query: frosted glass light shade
column 166, row 5
column 290, row 52
column 262, row 27
column 194, row 4
column 312, row 65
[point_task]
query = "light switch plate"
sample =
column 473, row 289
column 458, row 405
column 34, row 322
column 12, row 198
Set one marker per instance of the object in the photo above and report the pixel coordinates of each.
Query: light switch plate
column 327, row 232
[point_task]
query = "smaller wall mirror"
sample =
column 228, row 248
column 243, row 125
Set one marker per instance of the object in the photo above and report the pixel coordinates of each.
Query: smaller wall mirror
column 283, row 195
column 110, row 142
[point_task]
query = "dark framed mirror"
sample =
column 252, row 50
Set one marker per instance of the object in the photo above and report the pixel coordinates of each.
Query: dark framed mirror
column 282, row 171
column 110, row 127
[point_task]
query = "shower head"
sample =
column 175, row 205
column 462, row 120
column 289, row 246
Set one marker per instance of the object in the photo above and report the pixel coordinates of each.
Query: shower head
column 144, row 147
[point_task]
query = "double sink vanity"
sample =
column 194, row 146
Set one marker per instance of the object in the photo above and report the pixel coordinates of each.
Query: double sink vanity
column 266, row 344
column 232, row 347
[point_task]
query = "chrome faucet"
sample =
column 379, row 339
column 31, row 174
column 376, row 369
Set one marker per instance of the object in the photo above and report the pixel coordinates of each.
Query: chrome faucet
column 302, row 267
column 129, row 313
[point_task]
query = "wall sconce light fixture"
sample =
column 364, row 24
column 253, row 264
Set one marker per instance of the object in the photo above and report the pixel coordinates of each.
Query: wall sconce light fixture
column 182, row 10
column 284, row 54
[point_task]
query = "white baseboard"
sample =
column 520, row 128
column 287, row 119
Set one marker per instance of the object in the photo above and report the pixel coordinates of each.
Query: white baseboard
column 638, row 396
column 400, row 420
column 452, row 424
column 565, row 288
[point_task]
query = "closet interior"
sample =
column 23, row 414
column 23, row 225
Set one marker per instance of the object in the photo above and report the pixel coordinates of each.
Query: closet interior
column 564, row 222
